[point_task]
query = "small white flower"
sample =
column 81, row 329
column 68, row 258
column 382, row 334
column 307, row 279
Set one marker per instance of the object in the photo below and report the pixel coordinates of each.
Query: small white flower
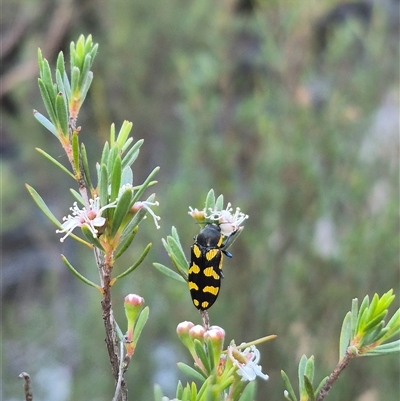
column 82, row 217
column 146, row 205
column 247, row 362
column 227, row 221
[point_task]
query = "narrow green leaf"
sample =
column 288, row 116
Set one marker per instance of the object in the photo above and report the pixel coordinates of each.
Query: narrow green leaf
column 92, row 240
column 345, row 335
column 116, row 179
column 178, row 257
column 85, row 166
column 140, row 323
column 93, row 51
column 45, row 122
column 137, row 218
column 60, row 64
column 124, row 133
column 354, row 315
column 60, row 82
column 144, row 186
column 175, row 236
column 67, row 87
column 384, row 349
column 375, row 321
column 371, row 336
column 121, row 211
column 48, row 101
column 136, row 264
column 42, row 205
column 158, row 394
column 75, row 154
column 114, row 151
column 112, row 134
column 249, row 392
column 127, row 176
column 373, row 307
column 179, row 390
column 132, row 154
column 362, row 312
column 190, row 372
column 201, row 353
column 309, row 371
column 84, row 89
column 194, row 391
column 124, row 243
column 75, row 77
column 87, row 63
column 105, row 153
column 126, row 145
column 54, row 161
column 219, row 203
column 309, row 388
column 210, row 201
column 80, row 276
column 168, row 272
column 103, row 186
column 45, row 74
column 301, row 371
column 62, row 112
column 288, row 386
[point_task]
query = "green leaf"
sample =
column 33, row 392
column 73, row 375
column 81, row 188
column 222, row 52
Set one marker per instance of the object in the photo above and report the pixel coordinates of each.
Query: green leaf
column 80, row 276
column 309, row 388
column 288, row 386
column 354, row 315
column 105, row 153
column 177, row 256
column 375, row 321
column 54, row 161
column 158, row 394
column 210, row 201
column 87, row 63
column 179, row 390
column 48, row 100
column 219, row 203
column 121, row 211
column 42, row 205
column 124, row 242
column 132, row 154
column 136, row 264
column 301, row 371
column 116, row 179
column 124, row 133
column 103, row 186
column 145, row 185
column 309, row 371
column 61, row 64
column 362, row 313
column 168, row 272
column 140, row 323
column 87, row 82
column 345, row 335
column 127, row 176
column 60, row 82
column 85, row 166
column 114, row 151
column 249, row 392
column 384, row 349
column 75, row 154
column 190, row 372
column 201, row 353
column 92, row 240
column 75, row 77
column 112, row 134
column 126, row 145
column 45, row 122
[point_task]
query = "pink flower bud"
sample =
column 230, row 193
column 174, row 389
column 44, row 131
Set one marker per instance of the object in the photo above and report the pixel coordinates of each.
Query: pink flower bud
column 197, row 332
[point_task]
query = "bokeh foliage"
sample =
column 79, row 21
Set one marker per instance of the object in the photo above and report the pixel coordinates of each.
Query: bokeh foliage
column 239, row 102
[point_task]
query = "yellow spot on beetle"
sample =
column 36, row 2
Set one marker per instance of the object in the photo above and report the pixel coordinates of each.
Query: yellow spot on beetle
column 194, row 269
column 212, row 253
column 210, row 272
column 211, row 289
column 193, row 286
column 196, row 251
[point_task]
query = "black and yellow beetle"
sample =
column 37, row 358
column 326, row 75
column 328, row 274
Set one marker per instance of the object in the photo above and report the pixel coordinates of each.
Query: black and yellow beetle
column 205, row 271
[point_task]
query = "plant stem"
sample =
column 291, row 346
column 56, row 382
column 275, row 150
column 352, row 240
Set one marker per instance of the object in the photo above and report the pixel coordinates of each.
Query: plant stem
column 334, row 376
column 27, row 386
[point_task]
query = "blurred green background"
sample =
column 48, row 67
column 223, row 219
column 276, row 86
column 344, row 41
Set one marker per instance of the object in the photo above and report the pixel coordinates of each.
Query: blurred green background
column 288, row 108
